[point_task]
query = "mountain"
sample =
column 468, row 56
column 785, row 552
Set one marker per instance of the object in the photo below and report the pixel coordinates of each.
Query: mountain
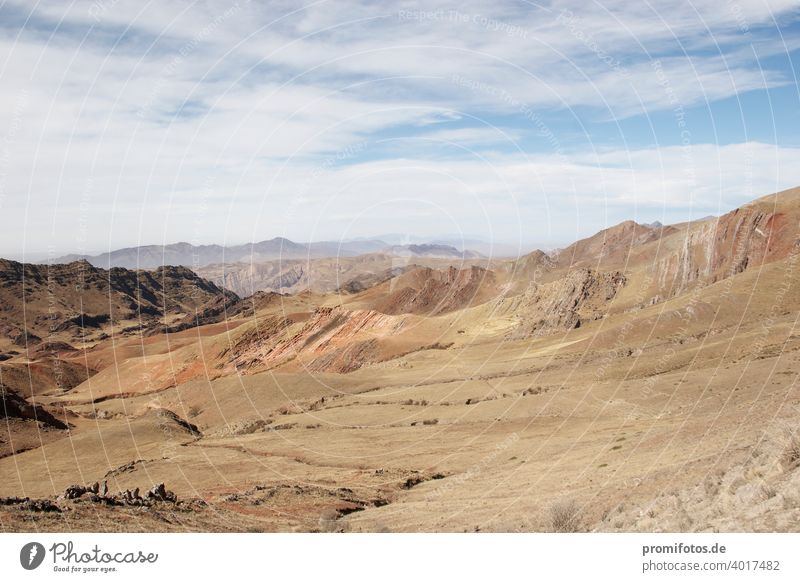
column 669, row 260
column 613, row 244
column 77, row 301
column 188, row 255
column 321, row 275
column 276, row 248
column 195, row 257
column 366, row 402
column 438, row 251
column 490, row 248
column 346, row 248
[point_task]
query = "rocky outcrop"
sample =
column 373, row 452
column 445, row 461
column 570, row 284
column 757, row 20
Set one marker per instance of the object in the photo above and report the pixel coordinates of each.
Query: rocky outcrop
column 99, row 494
column 160, row 493
column 13, row 406
column 582, row 295
column 27, row 504
column 277, row 276
column 334, row 338
column 720, row 248
column 79, row 299
column 348, row 358
column 172, row 425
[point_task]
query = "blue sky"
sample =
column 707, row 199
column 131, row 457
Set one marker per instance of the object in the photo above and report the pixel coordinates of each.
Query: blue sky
column 128, row 123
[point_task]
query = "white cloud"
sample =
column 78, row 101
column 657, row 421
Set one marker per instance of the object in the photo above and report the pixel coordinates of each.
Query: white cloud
column 270, row 94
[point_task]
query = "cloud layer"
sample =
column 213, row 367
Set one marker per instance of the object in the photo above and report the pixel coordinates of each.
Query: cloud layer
column 127, row 123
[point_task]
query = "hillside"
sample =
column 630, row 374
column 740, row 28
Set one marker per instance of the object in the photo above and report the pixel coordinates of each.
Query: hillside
column 321, row 275
column 79, row 302
column 646, row 378
column 426, row 291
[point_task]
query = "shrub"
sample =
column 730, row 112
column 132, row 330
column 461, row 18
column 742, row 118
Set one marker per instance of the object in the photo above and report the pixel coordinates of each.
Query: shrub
column 767, row 492
column 790, row 457
column 565, row 517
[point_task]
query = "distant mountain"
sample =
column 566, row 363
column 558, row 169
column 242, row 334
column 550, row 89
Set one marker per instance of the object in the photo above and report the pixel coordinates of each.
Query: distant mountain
column 197, row 256
column 276, row 248
column 323, row 275
column 393, row 238
column 437, row 251
column 489, row 248
column 189, row 255
column 351, row 248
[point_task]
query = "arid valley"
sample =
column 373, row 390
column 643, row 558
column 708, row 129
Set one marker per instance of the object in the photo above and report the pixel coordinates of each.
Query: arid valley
column 643, row 379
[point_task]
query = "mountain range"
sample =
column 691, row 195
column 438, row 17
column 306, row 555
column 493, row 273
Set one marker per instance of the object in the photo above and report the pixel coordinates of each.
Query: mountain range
column 644, row 377
column 197, row 256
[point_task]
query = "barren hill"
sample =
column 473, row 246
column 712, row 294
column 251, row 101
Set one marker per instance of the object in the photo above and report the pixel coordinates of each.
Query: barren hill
column 665, row 261
column 425, row 291
column 78, row 301
column 321, row 275
column 644, row 379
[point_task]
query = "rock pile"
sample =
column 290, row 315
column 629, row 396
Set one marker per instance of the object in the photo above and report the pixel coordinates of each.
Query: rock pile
column 31, row 504
column 160, row 493
column 99, row 494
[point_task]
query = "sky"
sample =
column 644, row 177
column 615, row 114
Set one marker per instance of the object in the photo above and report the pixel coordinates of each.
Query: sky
column 128, row 123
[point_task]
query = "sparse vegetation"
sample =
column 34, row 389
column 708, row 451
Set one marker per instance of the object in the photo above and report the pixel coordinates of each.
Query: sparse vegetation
column 790, row 457
column 564, row 517
column 767, row 492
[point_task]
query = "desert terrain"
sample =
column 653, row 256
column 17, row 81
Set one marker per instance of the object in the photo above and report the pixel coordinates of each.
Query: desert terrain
column 643, row 379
